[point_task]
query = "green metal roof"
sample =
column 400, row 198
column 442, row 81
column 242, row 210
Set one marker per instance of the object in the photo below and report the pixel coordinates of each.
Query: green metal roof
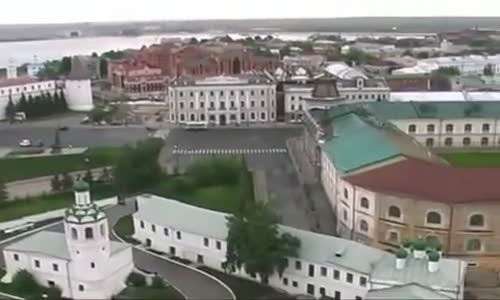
column 356, row 144
column 81, row 186
column 434, row 110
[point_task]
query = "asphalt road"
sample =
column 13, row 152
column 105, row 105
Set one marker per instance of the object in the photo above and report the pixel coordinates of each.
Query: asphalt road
column 286, row 195
column 10, row 136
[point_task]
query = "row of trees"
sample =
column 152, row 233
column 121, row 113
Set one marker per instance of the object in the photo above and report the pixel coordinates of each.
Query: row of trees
column 64, row 182
column 38, row 106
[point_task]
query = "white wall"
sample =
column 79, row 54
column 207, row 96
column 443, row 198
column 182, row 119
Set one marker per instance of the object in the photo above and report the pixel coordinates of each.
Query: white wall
column 15, row 92
column 79, row 95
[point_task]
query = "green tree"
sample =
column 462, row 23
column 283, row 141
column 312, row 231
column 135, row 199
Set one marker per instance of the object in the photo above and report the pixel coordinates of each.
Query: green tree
column 3, row 192
column 136, row 279
column 22, row 104
column 88, row 177
column 488, row 70
column 356, row 57
column 158, row 283
column 67, row 181
column 10, row 110
column 448, row 71
column 256, row 244
column 24, row 281
column 65, row 67
column 138, row 167
column 106, row 175
column 103, row 67
column 62, row 99
column 56, row 183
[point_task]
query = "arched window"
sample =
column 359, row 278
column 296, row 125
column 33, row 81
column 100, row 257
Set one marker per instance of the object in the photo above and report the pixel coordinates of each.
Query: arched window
column 476, row 220
column 103, row 230
column 448, row 141
column 363, row 226
column 429, row 142
column 346, row 193
column 394, row 212
column 486, row 127
column 484, row 141
column 192, row 117
column 468, row 127
column 202, row 117
column 466, row 141
column 431, row 128
column 412, row 128
column 89, row 233
column 473, row 245
column 449, row 128
column 392, row 236
column 74, row 234
column 433, row 217
column 365, row 203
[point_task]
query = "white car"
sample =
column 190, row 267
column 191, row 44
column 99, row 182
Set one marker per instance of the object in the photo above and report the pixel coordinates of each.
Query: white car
column 25, row 143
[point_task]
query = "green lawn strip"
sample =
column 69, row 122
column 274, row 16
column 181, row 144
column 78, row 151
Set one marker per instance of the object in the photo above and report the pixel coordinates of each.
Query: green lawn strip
column 16, row 209
column 473, row 159
column 27, row 294
column 246, row 289
column 167, row 293
column 12, row 169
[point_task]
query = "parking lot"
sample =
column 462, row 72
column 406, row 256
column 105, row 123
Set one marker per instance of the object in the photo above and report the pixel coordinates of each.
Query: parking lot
column 265, row 151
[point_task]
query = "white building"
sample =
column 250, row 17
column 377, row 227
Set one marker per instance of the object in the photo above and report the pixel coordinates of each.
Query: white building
column 222, row 100
column 82, row 261
column 326, row 265
column 467, row 65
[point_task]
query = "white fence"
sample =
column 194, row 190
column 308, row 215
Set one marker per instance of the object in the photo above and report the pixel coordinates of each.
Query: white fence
column 50, row 215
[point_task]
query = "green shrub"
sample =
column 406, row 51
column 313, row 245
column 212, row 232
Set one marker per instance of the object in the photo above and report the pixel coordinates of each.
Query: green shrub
column 181, row 185
column 136, row 279
column 407, row 243
column 401, row 253
column 24, row 281
column 53, row 293
column 433, row 256
column 158, row 283
column 215, row 172
column 420, row 245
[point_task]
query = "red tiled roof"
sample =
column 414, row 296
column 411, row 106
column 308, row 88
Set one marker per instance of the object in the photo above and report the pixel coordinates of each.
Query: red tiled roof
column 429, row 181
column 17, row 81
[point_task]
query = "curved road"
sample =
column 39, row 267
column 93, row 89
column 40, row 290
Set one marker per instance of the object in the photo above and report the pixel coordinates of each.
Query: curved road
column 193, row 284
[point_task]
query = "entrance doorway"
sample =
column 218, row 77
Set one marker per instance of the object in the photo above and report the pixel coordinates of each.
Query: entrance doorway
column 222, row 120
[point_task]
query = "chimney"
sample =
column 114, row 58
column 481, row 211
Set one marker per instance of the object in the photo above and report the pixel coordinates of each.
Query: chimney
column 433, row 264
column 401, row 255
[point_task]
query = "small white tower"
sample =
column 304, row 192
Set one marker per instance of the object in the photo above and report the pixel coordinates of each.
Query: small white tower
column 87, row 236
column 78, row 90
column 12, row 69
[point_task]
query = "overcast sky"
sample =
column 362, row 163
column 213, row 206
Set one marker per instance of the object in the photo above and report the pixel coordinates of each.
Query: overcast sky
column 61, row 11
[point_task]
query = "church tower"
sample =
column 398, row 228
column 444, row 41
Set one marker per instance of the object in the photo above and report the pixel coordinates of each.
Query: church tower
column 87, row 235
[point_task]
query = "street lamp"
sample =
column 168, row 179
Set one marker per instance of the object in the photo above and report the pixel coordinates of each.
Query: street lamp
column 176, row 157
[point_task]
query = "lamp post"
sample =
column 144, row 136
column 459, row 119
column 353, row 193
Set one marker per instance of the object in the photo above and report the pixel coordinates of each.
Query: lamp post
column 176, row 157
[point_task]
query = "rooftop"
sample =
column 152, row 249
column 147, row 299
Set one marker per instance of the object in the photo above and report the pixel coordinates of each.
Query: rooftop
column 223, row 80
column 319, row 248
column 430, row 181
column 342, row 71
column 407, row 291
column 18, row 81
column 52, row 244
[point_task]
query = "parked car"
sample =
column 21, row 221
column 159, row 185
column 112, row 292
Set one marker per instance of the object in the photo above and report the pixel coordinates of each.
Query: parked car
column 38, row 143
column 63, row 128
column 85, row 120
column 25, row 143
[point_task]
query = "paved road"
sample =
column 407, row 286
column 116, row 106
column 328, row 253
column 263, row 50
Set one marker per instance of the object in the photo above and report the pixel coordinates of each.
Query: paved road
column 78, row 137
column 263, row 148
column 191, row 283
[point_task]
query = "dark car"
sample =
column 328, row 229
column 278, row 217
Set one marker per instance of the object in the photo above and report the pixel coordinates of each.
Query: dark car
column 38, row 143
column 63, row 128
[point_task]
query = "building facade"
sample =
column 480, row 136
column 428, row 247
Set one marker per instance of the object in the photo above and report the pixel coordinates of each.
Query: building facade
column 222, row 100
column 400, row 189
column 326, row 265
column 82, row 261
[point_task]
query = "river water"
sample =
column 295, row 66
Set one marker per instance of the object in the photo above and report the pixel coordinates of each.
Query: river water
column 22, row 52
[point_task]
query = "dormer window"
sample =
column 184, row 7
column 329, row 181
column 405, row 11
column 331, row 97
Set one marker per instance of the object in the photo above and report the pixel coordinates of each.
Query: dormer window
column 360, row 83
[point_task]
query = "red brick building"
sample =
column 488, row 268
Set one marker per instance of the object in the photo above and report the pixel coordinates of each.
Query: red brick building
column 409, row 83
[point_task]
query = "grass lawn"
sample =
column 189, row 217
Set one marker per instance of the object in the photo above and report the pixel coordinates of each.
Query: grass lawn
column 124, row 228
column 12, row 169
column 246, row 289
column 473, row 159
column 21, row 208
column 167, row 293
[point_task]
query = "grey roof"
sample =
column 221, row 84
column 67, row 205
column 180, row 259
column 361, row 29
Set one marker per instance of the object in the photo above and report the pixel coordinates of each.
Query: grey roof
column 315, row 247
column 52, row 244
column 408, row 291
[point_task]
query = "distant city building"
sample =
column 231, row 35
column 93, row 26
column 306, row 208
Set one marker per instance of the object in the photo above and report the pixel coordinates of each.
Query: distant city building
column 222, row 100
column 82, row 261
column 303, row 61
column 467, row 65
column 325, row 266
column 409, row 82
column 34, row 67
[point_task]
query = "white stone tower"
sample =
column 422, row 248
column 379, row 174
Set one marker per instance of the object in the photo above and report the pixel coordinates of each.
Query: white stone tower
column 78, row 88
column 12, row 69
column 87, row 236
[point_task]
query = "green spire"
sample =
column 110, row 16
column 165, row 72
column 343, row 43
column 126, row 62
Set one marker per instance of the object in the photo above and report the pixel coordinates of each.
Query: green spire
column 81, row 186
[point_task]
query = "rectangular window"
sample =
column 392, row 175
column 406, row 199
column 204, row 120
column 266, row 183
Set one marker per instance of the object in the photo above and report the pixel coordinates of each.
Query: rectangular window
column 205, row 242
column 218, row 245
column 336, row 274
column 362, row 281
column 322, row 291
column 252, row 103
column 262, row 92
column 310, row 289
column 172, row 251
column 165, row 231
column 311, row 270
column 191, row 104
column 16, row 257
column 337, row 295
column 202, row 104
column 285, row 281
column 142, row 224
column 242, row 104
column 153, row 228
column 262, row 103
column 55, row 267
column 37, row 263
column 349, row 277
column 81, row 288
column 181, row 94
column 51, row 283
column 92, row 265
column 298, row 265
column 323, row 271
column 295, row 284
column 201, row 94
column 179, row 235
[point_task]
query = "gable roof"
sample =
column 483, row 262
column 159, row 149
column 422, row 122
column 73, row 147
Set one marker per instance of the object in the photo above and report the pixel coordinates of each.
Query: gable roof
column 315, row 247
column 427, row 180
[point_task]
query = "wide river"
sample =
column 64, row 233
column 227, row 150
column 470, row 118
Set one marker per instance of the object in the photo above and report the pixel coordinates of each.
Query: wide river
column 22, row 52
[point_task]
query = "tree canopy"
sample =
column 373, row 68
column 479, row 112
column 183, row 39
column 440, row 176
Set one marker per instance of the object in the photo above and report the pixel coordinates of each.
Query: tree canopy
column 10, row 110
column 356, row 56
column 256, row 244
column 3, row 192
column 448, row 71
